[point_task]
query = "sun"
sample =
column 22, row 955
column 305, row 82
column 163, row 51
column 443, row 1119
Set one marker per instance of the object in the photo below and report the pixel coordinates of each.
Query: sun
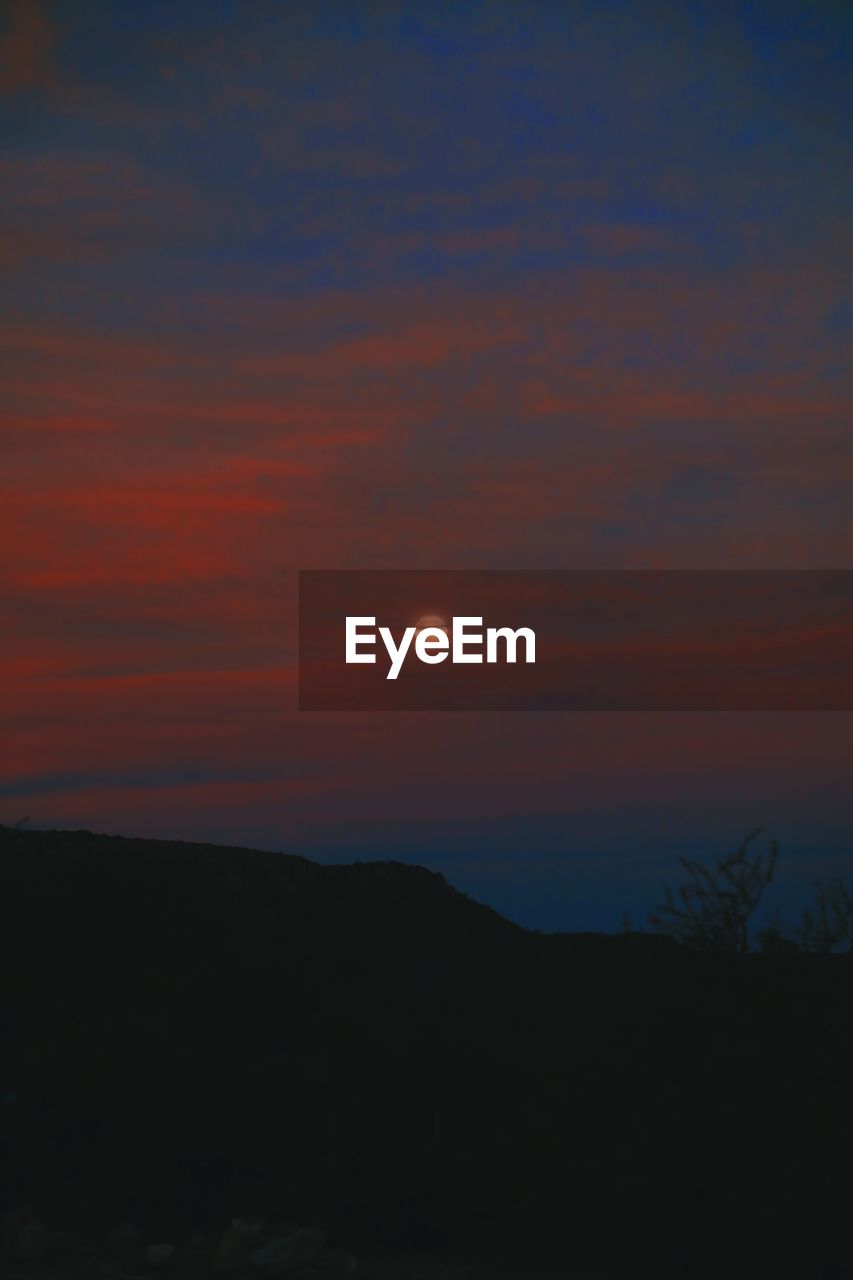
column 430, row 622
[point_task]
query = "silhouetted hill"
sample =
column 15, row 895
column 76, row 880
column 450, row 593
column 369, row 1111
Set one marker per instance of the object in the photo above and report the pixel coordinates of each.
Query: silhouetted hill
column 194, row 1032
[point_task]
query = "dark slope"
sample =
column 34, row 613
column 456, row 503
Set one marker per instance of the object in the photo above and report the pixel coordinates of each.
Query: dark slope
column 194, row 1032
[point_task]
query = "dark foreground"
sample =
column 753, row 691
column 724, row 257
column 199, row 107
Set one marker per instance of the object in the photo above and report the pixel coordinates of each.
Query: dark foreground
column 194, row 1034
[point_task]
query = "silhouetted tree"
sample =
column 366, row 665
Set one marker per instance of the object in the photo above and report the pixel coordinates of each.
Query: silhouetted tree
column 713, row 908
column 827, row 926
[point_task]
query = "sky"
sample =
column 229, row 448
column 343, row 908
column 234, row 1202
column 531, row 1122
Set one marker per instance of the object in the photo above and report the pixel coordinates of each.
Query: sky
column 402, row 286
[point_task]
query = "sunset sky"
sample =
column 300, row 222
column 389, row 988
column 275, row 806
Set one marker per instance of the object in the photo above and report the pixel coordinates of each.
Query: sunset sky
column 406, row 286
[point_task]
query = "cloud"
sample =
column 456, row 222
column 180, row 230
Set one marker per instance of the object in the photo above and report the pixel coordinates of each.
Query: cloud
column 282, row 292
column 27, row 49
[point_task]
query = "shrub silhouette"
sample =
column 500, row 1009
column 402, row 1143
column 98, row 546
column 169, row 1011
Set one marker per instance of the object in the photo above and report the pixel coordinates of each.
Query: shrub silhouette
column 827, row 926
column 713, row 908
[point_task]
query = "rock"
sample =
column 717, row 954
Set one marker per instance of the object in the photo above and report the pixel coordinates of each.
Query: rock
column 282, row 1255
column 124, row 1241
column 197, row 1244
column 11, row 1226
column 196, row 1258
column 65, row 1248
column 274, row 1257
column 252, row 1232
column 335, row 1262
column 112, row 1269
column 248, row 1226
column 413, row 1270
column 231, row 1255
column 34, row 1240
column 157, row 1254
column 283, row 1229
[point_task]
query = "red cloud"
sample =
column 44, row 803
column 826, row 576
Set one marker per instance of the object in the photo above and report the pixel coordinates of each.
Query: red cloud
column 26, row 52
